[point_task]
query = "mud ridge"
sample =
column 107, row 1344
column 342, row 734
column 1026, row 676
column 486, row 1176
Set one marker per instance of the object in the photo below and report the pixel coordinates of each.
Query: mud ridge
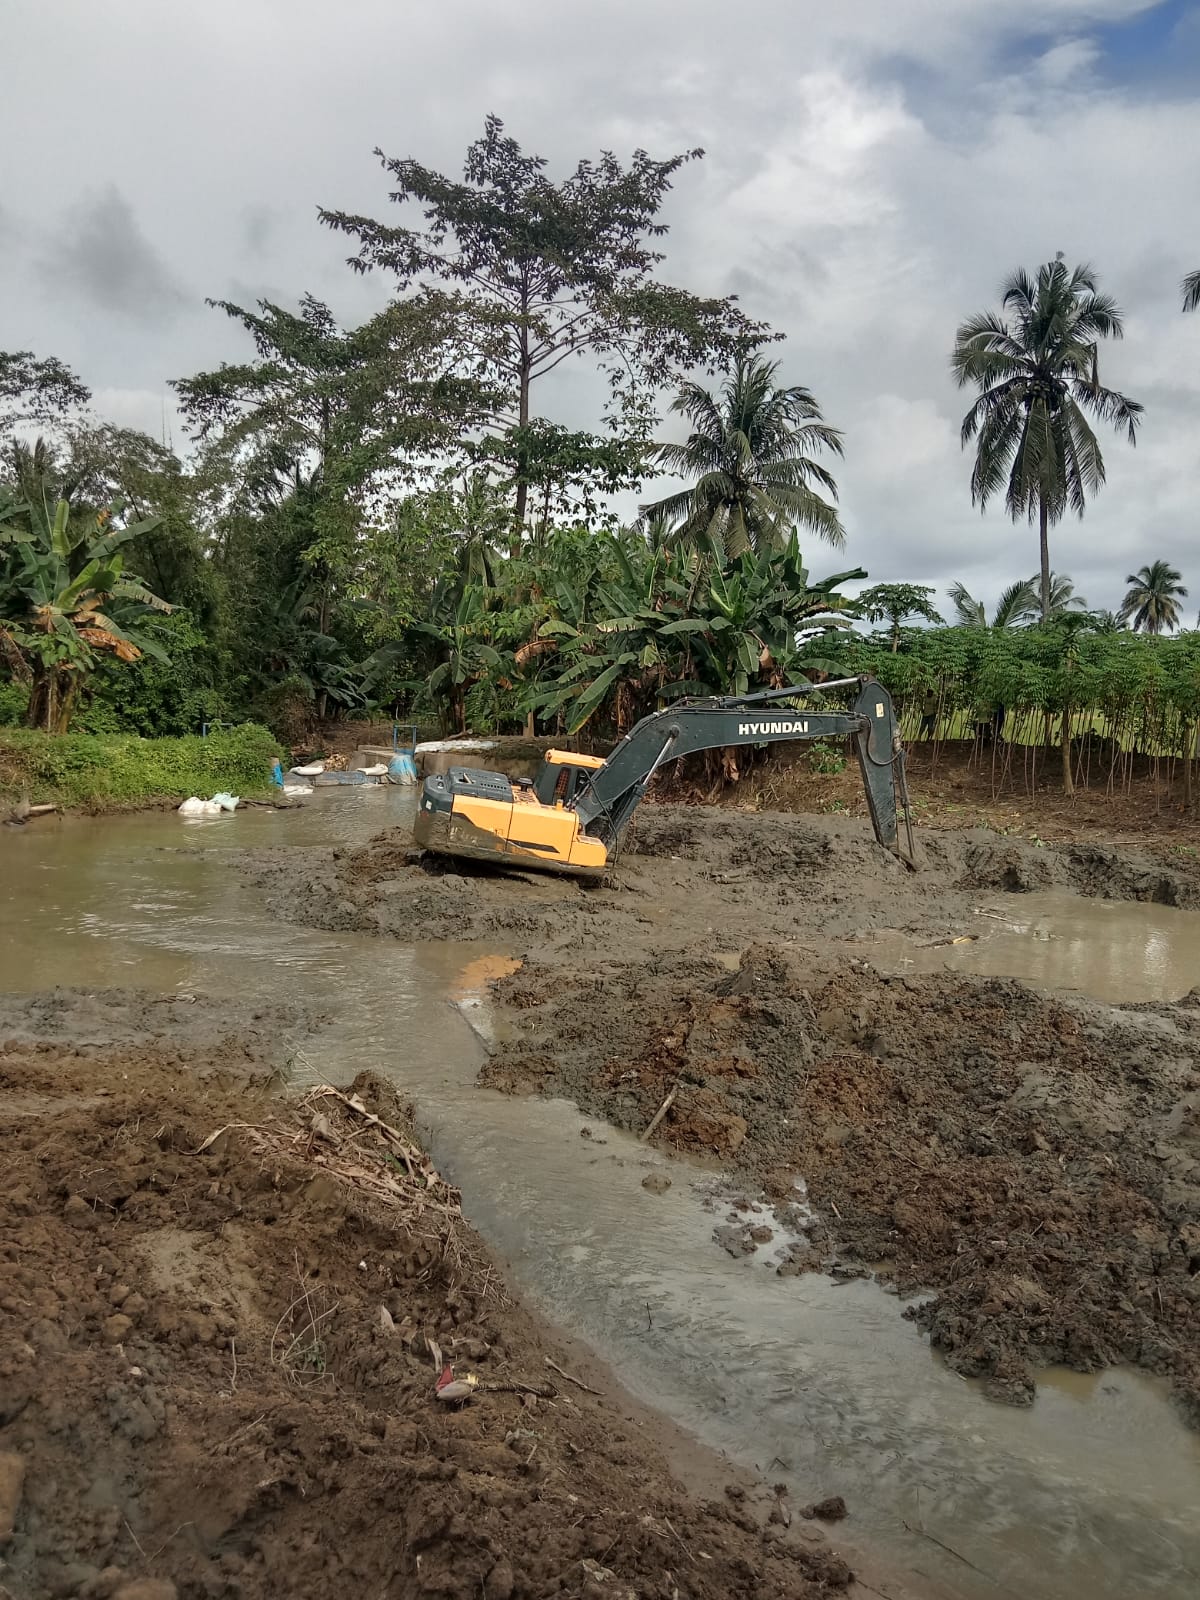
column 1035, row 1162
column 692, row 876
column 217, row 1356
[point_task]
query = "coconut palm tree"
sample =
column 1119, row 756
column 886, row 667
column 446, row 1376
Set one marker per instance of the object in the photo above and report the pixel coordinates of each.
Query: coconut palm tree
column 1152, row 601
column 1012, row 608
column 1036, row 367
column 1019, row 603
column 1191, row 291
column 751, row 461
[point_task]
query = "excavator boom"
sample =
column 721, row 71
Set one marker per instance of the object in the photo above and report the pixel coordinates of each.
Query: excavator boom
column 573, row 817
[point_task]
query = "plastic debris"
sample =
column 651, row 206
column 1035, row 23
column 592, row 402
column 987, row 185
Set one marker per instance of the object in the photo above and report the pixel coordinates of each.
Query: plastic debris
column 195, row 807
column 448, row 1387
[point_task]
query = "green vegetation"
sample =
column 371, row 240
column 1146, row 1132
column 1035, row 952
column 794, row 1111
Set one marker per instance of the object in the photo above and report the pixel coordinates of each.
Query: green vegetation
column 111, row 771
column 380, row 518
column 67, row 599
column 894, row 603
column 1019, row 604
column 1121, row 693
column 751, row 464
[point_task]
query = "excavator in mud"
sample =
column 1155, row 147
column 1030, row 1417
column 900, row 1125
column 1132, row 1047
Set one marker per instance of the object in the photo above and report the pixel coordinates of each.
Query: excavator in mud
column 572, row 817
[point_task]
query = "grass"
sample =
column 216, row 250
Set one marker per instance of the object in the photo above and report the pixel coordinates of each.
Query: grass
column 114, row 772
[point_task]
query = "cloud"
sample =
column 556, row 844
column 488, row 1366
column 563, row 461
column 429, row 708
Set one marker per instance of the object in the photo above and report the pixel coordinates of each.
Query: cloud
column 101, row 254
column 874, row 170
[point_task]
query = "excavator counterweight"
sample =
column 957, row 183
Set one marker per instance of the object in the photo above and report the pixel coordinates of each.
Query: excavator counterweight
column 573, row 816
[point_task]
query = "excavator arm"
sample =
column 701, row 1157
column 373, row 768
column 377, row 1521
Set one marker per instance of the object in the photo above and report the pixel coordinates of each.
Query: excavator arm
column 607, row 802
column 572, row 819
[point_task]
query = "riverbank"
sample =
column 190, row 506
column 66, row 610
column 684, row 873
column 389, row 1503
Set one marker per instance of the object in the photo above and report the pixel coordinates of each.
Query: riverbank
column 222, row 1316
column 1033, row 1159
column 97, row 773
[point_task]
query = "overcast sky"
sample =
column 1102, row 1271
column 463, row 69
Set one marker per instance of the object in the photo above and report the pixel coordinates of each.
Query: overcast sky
column 874, row 169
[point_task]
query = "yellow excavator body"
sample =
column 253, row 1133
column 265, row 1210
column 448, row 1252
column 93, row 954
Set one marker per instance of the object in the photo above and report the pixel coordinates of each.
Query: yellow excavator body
column 491, row 818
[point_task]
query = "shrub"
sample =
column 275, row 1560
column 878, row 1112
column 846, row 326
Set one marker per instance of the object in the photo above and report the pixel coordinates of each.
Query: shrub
column 101, row 772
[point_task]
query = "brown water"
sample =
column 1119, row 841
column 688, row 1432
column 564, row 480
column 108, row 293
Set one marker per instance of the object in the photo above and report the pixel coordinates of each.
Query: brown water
column 1093, row 1491
column 1116, row 950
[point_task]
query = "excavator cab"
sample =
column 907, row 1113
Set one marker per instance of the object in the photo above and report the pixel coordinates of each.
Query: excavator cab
column 562, row 776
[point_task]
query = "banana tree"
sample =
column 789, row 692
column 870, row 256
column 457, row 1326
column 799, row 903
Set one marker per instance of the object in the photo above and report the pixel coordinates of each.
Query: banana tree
column 614, row 641
column 67, row 601
column 757, row 612
column 461, row 629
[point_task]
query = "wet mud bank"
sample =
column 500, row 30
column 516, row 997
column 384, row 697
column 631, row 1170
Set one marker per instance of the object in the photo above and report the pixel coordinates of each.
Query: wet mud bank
column 692, row 874
column 222, row 1314
column 1035, row 1163
column 1027, row 1166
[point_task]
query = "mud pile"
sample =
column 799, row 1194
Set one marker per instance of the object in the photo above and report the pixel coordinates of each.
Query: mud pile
column 1034, row 1162
column 217, row 1355
column 695, row 877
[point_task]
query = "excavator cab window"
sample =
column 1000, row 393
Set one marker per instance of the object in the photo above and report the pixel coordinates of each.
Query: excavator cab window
column 558, row 782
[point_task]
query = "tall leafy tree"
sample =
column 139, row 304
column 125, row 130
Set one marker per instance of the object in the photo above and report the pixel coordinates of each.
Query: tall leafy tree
column 308, row 427
column 894, row 603
column 751, row 458
column 1036, row 367
column 543, row 272
column 1152, row 600
column 37, row 389
column 343, row 402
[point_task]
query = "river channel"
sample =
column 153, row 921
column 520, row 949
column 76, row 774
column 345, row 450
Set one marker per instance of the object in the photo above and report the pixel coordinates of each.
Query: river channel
column 1094, row 1490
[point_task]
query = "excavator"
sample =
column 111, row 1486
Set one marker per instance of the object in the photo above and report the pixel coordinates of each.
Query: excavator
column 572, row 817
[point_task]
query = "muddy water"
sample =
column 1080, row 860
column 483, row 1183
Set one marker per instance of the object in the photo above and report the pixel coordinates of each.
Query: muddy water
column 1092, row 1491
column 1115, row 950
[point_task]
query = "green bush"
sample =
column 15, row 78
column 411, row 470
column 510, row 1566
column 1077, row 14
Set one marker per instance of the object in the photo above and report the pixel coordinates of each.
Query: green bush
column 826, row 759
column 157, row 698
column 106, row 772
column 14, row 698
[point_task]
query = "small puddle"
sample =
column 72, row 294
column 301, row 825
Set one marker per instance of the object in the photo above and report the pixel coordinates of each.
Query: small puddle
column 821, row 1384
column 1115, row 950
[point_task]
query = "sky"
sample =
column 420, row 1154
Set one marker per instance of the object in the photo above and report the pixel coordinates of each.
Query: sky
column 873, row 172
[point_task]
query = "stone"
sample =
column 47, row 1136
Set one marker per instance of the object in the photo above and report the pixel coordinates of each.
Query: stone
column 12, row 1486
column 832, row 1509
column 656, row 1182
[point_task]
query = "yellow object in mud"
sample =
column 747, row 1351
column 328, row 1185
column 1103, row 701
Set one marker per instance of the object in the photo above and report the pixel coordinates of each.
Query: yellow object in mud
column 486, row 816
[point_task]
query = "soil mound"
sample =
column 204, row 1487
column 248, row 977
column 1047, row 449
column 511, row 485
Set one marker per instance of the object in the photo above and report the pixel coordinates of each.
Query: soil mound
column 221, row 1320
column 1036, row 1163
